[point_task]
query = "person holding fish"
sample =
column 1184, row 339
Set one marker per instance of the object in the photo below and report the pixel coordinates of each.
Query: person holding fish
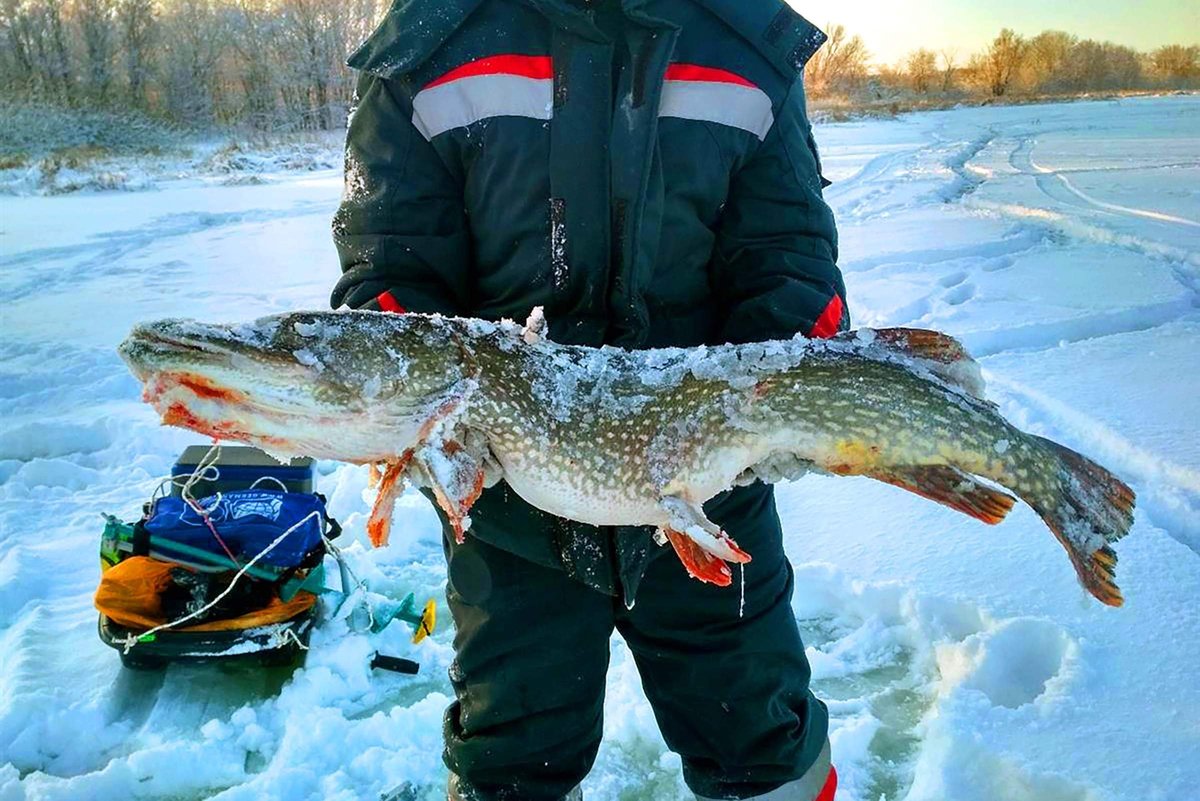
column 644, row 170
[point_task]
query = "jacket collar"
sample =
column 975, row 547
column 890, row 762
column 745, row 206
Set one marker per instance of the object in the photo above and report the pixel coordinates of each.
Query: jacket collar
column 574, row 15
column 410, row 33
column 784, row 37
column 414, row 29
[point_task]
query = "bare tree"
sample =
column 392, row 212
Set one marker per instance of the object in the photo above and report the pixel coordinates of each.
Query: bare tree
column 252, row 32
column 199, row 35
column 313, row 40
column 1176, row 63
column 96, row 19
column 996, row 66
column 18, row 36
column 273, row 63
column 840, row 64
column 39, row 34
column 921, row 66
column 137, row 19
column 949, row 65
column 1124, row 67
column 1101, row 65
column 1047, row 54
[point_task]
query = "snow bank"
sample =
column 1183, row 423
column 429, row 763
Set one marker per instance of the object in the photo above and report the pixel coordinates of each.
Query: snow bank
column 102, row 152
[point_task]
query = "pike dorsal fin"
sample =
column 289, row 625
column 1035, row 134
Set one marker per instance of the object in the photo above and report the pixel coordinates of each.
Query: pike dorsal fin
column 942, row 354
column 921, row 343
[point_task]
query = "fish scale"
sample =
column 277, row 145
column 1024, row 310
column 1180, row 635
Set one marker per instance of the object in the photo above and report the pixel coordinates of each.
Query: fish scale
column 632, row 438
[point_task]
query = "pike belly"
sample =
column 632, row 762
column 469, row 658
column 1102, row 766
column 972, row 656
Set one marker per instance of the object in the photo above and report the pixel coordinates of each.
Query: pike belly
column 610, row 489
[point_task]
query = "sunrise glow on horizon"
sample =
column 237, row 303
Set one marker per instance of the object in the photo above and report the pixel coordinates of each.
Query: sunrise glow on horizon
column 892, row 29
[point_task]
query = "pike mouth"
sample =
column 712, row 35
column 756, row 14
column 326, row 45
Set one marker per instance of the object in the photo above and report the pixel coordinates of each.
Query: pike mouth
column 153, row 349
column 233, row 385
column 175, row 394
column 162, row 341
column 192, row 401
column 203, row 388
column 175, row 368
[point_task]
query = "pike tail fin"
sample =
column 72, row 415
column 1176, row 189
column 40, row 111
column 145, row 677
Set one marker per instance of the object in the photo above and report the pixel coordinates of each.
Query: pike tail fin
column 1094, row 510
column 951, row 487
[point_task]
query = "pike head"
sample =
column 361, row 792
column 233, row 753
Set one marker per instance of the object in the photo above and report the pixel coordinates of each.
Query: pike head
column 354, row 386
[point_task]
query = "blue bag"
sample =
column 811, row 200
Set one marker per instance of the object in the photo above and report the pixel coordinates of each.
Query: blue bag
column 246, row 520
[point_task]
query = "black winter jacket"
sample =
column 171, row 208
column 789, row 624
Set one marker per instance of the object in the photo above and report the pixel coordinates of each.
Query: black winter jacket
column 644, row 170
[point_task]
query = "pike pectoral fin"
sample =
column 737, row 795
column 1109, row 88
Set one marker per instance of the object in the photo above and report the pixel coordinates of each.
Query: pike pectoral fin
column 700, row 543
column 391, row 484
column 699, row 563
column 951, row 487
column 456, row 478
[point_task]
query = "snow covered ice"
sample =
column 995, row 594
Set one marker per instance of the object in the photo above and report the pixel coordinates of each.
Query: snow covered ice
column 960, row 662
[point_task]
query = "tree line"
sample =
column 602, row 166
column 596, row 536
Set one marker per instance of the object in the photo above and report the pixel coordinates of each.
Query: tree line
column 265, row 64
column 1052, row 62
column 279, row 64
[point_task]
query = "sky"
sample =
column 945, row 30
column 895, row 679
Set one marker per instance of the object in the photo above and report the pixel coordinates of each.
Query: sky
column 892, row 28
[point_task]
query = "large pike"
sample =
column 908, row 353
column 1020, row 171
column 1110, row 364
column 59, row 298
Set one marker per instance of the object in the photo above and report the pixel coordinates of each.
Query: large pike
column 614, row 437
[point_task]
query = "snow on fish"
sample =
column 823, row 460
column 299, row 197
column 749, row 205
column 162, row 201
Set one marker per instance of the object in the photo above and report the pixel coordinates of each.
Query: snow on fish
column 614, row 437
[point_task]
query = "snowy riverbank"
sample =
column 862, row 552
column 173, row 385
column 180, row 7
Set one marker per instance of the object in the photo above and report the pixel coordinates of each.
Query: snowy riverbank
column 961, row 662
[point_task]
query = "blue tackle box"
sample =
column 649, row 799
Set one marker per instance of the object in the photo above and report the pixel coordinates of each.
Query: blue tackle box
column 240, row 466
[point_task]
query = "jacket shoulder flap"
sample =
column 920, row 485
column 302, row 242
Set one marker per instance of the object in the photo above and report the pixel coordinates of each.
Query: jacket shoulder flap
column 409, row 34
column 784, row 37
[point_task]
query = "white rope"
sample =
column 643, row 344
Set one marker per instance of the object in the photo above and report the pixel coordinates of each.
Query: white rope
column 206, row 470
column 209, row 460
column 742, row 585
column 337, row 554
column 132, row 640
column 261, row 479
column 359, row 584
column 290, row 634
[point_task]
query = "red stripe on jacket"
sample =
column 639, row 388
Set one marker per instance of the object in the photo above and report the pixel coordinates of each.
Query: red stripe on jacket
column 540, row 67
column 827, row 324
column 830, row 789
column 695, row 72
column 387, row 302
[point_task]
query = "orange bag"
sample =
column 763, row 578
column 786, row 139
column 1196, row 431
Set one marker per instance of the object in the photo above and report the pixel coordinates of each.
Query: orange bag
column 129, row 595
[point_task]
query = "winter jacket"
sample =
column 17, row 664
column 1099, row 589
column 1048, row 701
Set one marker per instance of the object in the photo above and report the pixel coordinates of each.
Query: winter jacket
column 644, row 170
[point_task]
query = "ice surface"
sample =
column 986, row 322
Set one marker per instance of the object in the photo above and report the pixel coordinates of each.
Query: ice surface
column 959, row 661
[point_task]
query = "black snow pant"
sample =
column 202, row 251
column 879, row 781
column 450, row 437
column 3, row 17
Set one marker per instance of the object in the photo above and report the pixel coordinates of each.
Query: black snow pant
column 730, row 692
